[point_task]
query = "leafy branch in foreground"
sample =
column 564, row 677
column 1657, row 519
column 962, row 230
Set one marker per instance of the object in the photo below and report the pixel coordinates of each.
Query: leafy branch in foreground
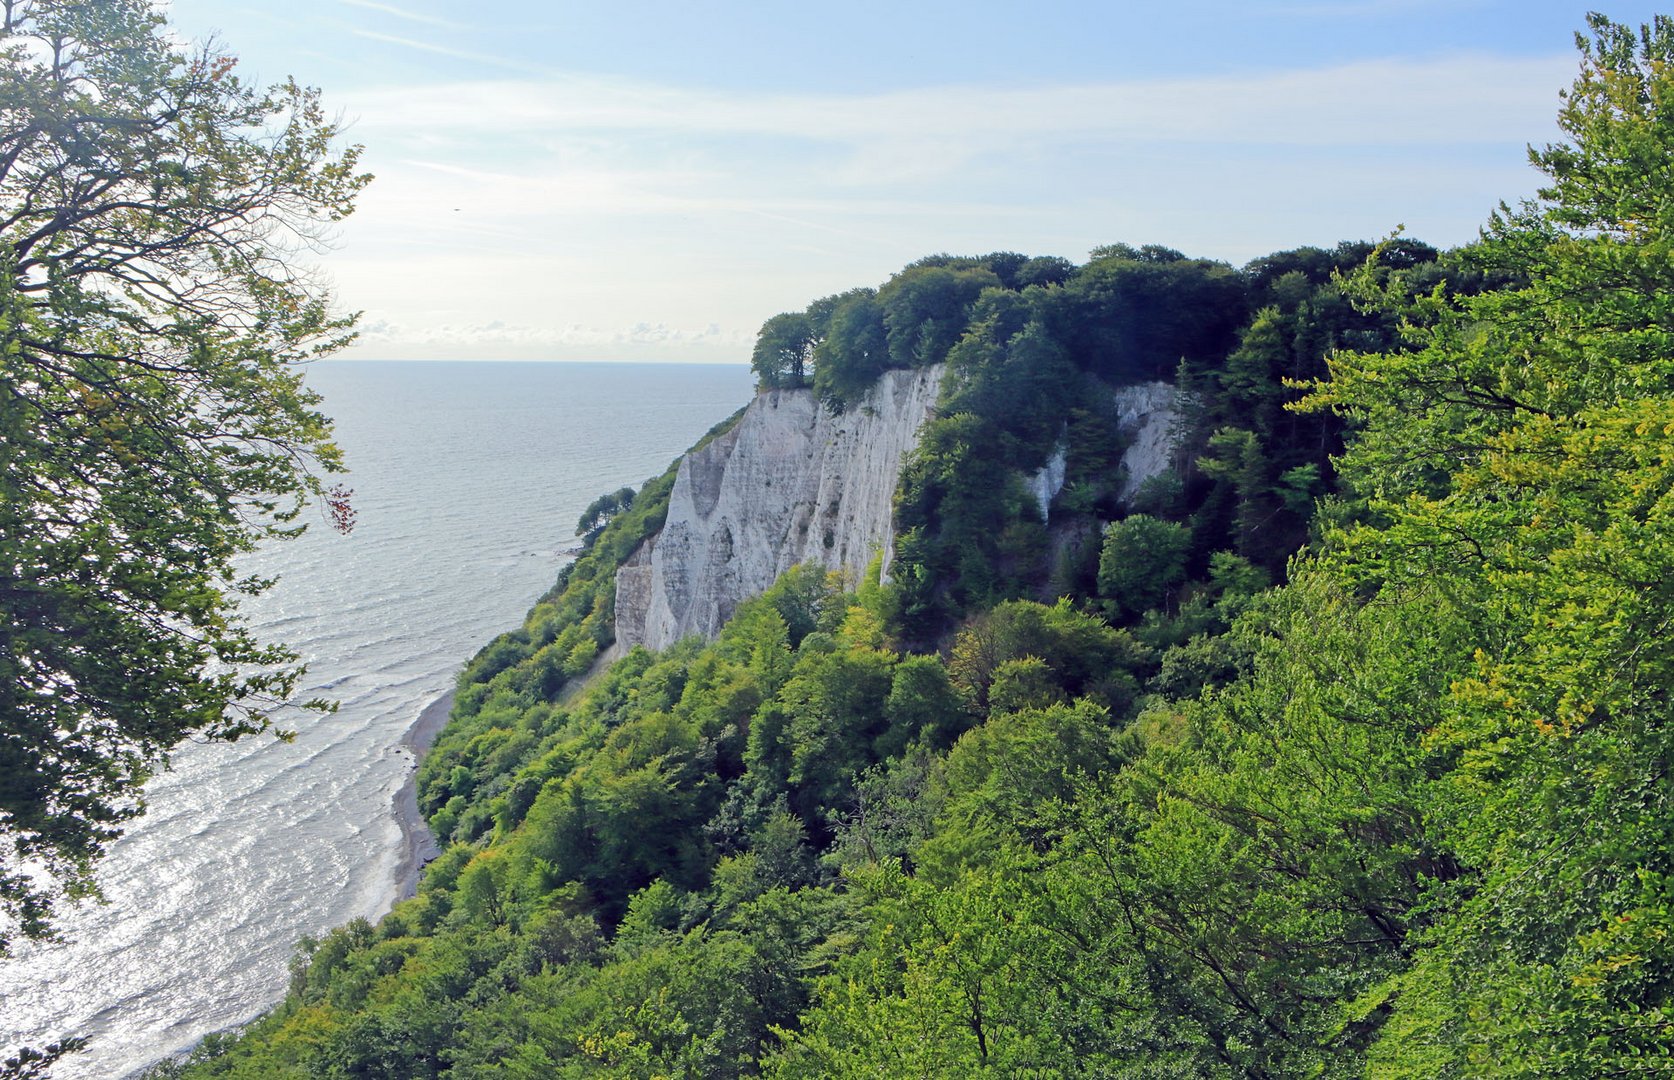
column 153, row 423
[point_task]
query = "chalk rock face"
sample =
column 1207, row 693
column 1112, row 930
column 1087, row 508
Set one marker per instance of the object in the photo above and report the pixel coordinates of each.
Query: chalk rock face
column 790, row 483
column 1049, row 480
column 1145, row 414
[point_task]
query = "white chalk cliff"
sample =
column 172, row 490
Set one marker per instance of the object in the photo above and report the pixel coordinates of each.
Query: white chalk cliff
column 790, row 483
column 793, row 483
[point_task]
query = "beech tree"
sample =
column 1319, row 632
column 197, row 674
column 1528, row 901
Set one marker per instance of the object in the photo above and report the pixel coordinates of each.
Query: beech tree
column 784, row 351
column 1518, row 456
column 601, row 510
column 156, row 213
column 1141, row 559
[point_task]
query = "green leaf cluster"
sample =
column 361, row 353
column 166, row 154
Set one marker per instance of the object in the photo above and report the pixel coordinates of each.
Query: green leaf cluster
column 154, row 311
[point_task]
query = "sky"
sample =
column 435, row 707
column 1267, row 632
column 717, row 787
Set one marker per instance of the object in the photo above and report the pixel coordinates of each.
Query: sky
column 640, row 180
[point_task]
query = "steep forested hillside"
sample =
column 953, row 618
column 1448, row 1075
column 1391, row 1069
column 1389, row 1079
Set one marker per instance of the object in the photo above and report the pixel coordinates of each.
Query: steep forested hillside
column 1340, row 751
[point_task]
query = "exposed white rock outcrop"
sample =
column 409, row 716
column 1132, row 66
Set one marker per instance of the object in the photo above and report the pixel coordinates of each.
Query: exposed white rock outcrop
column 790, row 483
column 1049, row 480
column 1146, row 415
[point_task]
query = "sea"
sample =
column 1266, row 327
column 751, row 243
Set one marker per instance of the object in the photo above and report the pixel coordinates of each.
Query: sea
column 468, row 478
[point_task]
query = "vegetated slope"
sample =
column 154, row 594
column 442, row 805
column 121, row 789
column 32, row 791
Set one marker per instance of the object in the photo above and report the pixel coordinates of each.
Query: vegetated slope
column 661, row 873
column 1406, row 815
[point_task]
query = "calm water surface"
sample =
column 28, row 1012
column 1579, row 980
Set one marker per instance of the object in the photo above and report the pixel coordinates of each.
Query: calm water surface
column 468, row 479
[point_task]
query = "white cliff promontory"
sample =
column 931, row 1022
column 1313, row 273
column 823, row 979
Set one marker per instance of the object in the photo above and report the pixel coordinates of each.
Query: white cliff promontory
column 793, row 483
column 790, row 483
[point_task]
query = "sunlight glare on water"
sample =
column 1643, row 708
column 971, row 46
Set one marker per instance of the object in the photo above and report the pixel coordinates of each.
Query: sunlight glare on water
column 468, row 480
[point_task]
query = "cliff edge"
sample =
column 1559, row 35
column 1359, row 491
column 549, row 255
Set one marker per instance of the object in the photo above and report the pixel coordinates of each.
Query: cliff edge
column 795, row 483
column 790, row 483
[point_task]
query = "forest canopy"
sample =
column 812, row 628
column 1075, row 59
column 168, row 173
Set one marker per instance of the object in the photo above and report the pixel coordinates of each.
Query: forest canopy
column 1340, row 751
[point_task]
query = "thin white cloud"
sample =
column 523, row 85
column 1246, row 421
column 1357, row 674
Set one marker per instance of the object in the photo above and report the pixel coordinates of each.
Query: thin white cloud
column 581, row 216
column 804, row 223
column 1461, row 98
column 444, row 50
column 526, row 159
column 403, row 13
column 462, row 171
column 523, row 206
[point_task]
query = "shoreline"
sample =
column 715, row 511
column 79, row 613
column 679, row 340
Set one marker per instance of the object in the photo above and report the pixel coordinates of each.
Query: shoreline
column 418, row 844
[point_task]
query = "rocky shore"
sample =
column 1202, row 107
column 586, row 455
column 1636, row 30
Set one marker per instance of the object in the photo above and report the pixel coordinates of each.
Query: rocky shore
column 418, row 844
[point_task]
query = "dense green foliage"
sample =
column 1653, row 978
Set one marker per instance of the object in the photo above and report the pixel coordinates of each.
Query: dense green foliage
column 153, row 421
column 527, row 669
column 1407, row 814
column 1034, row 345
